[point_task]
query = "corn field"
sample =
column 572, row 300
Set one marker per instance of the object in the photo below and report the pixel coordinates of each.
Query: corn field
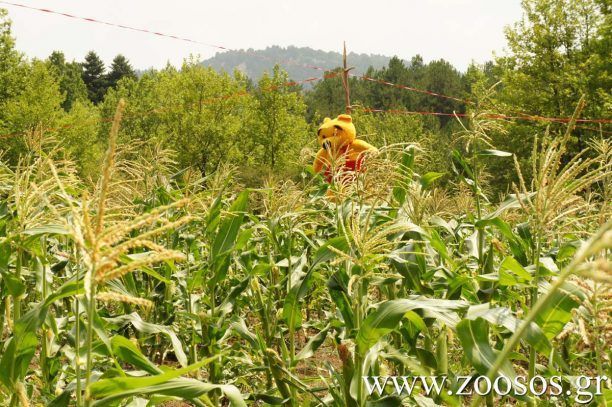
column 157, row 286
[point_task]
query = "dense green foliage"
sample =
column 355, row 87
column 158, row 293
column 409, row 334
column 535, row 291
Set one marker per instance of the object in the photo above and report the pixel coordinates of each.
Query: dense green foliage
column 163, row 238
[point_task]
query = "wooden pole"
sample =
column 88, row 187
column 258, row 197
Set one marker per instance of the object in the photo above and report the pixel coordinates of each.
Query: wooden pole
column 345, row 81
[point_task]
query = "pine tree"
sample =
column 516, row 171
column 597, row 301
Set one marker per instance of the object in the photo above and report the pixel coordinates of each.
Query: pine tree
column 94, row 78
column 120, row 68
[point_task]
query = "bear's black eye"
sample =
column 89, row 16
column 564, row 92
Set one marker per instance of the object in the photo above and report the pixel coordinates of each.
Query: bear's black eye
column 337, row 127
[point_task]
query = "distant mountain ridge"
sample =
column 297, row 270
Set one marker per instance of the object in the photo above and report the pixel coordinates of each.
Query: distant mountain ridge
column 292, row 59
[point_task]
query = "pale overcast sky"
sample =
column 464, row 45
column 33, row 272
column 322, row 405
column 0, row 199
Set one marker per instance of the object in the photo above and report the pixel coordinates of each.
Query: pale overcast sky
column 456, row 30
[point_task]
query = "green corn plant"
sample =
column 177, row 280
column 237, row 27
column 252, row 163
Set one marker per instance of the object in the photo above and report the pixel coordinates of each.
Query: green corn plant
column 104, row 247
column 26, row 223
column 478, row 146
column 152, row 284
column 554, row 193
column 600, row 241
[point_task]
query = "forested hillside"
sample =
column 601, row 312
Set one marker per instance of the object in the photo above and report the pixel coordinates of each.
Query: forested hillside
column 295, row 60
column 165, row 239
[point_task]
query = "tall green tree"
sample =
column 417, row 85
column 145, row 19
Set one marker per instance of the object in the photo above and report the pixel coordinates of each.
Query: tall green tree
column 442, row 78
column 327, row 96
column 197, row 113
column 556, row 56
column 94, row 77
column 387, row 97
column 11, row 61
column 34, row 111
column 70, row 80
column 79, row 137
column 558, row 51
column 29, row 97
column 120, row 68
column 278, row 130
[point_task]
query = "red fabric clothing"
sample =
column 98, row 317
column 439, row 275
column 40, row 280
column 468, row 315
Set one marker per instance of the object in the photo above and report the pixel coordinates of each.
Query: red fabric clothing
column 347, row 167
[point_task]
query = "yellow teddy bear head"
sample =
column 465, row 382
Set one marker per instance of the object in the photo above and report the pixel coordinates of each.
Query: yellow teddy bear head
column 336, row 133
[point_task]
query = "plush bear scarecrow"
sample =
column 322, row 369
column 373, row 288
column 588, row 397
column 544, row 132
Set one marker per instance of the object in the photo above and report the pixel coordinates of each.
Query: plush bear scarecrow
column 341, row 152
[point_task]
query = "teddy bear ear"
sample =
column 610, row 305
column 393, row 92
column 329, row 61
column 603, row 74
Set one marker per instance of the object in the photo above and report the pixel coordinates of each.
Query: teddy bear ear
column 326, row 120
column 345, row 118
